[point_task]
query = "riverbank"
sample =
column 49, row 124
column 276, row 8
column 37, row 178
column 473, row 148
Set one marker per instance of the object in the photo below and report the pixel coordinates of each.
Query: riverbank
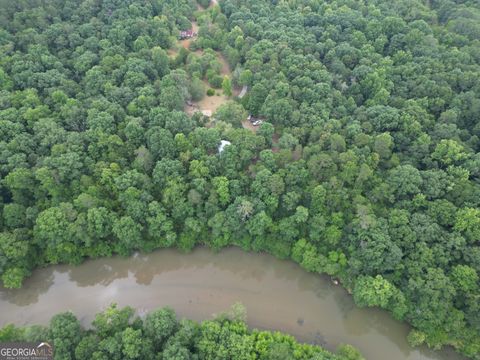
column 159, row 334
column 278, row 295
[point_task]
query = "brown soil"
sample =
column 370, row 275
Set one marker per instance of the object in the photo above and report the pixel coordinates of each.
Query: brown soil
column 248, row 125
column 275, row 138
column 211, row 103
column 225, row 67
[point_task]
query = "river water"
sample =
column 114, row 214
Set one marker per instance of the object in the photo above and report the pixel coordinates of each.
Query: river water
column 277, row 295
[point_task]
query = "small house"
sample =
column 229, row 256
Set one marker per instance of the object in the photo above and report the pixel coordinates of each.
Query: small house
column 187, row 34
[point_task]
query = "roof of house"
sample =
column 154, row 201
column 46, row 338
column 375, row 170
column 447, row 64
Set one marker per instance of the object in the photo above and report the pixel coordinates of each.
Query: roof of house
column 222, row 145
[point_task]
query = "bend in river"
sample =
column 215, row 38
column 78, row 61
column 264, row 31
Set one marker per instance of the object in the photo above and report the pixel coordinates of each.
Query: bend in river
column 277, row 294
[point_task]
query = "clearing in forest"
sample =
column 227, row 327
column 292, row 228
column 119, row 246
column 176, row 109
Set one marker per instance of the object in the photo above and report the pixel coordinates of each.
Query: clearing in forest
column 209, row 104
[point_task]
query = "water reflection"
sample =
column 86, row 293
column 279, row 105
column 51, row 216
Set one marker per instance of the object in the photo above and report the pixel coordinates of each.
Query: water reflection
column 97, row 272
column 39, row 283
column 320, row 285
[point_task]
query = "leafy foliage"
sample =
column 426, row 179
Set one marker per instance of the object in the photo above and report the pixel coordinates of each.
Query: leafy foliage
column 368, row 169
column 118, row 334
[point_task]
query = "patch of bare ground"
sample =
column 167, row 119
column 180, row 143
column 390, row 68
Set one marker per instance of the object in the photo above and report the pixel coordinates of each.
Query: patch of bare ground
column 225, row 67
column 249, row 126
column 212, row 103
column 275, row 138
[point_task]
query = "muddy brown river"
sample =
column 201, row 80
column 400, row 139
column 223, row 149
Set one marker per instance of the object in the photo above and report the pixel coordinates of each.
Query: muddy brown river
column 277, row 295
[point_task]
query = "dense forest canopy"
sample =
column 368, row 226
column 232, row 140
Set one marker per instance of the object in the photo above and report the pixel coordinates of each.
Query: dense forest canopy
column 117, row 334
column 367, row 167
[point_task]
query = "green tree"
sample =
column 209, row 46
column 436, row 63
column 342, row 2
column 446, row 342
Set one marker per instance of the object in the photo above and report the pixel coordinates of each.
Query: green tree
column 348, row 352
column 112, row 320
column 65, row 331
column 220, row 185
column 128, row 233
column 231, row 112
column 405, row 181
column 227, row 86
column 160, row 325
column 449, row 152
column 132, row 343
column 465, row 278
column 468, row 222
column 12, row 278
column 14, row 215
column 54, row 232
column 197, row 89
